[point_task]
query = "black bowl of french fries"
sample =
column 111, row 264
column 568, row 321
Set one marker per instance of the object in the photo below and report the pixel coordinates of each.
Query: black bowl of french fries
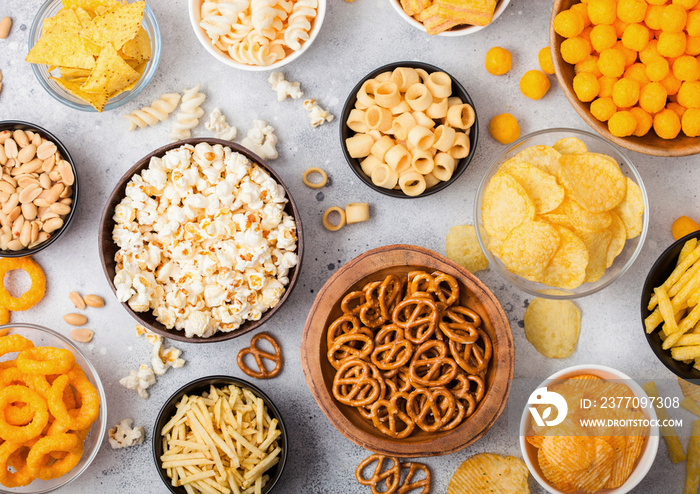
column 670, row 307
column 211, row 424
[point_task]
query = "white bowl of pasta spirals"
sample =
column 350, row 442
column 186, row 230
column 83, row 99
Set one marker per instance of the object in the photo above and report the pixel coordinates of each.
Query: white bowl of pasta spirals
column 273, row 35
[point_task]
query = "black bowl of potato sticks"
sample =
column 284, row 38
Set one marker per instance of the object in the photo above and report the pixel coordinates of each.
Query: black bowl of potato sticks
column 218, row 431
column 670, row 307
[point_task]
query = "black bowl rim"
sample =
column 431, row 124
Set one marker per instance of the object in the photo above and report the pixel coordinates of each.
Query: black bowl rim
column 664, row 355
column 354, row 162
column 247, row 326
column 157, row 443
column 20, row 124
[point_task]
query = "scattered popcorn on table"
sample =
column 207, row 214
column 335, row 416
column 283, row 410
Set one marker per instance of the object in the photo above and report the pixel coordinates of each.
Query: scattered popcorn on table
column 123, row 435
column 163, row 358
column 204, row 242
column 140, row 380
column 318, row 115
column 261, row 140
column 283, row 87
column 219, row 126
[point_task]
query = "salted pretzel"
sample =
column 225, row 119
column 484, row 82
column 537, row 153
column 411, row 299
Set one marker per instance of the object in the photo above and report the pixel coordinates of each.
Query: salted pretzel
column 391, row 349
column 390, row 475
column 448, row 295
column 347, row 323
column 258, row 355
column 390, row 293
column 471, row 357
column 431, row 408
column 460, row 324
column 390, row 417
column 430, row 365
column 418, row 316
column 350, row 345
column 353, row 301
column 409, row 484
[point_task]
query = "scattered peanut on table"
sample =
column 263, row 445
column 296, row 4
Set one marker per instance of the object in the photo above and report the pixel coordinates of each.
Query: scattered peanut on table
column 94, row 301
column 5, row 25
column 75, row 319
column 77, row 300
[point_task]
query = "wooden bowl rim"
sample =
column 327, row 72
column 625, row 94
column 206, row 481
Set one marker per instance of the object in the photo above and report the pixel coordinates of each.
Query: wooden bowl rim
column 107, row 224
column 455, row 440
column 680, row 146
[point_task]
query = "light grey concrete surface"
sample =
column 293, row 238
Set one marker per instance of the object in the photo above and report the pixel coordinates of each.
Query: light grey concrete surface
column 355, row 38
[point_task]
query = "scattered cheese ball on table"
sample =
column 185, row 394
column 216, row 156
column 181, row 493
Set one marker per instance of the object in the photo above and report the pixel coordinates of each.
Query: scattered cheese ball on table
column 684, row 226
column 442, row 15
column 643, row 55
column 410, row 131
column 544, row 57
column 534, row 84
column 498, row 61
column 504, row 128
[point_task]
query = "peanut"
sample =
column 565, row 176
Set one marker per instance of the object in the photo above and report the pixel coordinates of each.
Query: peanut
column 94, row 300
column 75, row 319
column 82, row 335
column 77, row 300
column 5, row 25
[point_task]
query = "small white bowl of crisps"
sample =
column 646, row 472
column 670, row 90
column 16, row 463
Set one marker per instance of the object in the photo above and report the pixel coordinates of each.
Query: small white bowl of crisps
column 409, row 129
column 562, row 213
column 94, row 55
column 566, row 456
column 59, row 386
column 449, row 17
column 262, row 40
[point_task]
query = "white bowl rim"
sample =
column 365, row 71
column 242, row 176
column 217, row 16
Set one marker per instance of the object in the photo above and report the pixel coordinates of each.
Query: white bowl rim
column 463, row 31
column 550, row 294
column 205, row 41
column 646, row 460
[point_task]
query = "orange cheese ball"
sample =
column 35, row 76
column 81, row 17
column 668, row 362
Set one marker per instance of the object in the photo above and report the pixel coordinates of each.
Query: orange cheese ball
column 679, row 109
column 673, row 19
column 671, row 84
column 649, row 53
column 504, row 128
column 692, row 25
column 644, row 121
column 631, row 11
column 586, row 86
column 671, row 44
column 667, row 125
column 656, row 2
column 568, row 23
column 544, row 57
column 653, row 17
column 602, row 11
column 498, row 61
column 575, row 50
column 622, row 124
column 684, row 226
column 690, row 122
column 611, row 62
column 620, row 27
column 582, row 10
column 686, row 68
column 606, row 86
column 603, row 108
column 636, row 37
column 692, row 45
column 625, row 93
column 603, row 37
column 657, row 69
column 637, row 72
column 534, row 84
column 689, row 94
column 630, row 55
column 652, row 97
column 588, row 65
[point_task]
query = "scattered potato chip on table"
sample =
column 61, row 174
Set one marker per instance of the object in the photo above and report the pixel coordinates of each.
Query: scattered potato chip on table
column 464, row 249
column 553, row 326
column 490, row 473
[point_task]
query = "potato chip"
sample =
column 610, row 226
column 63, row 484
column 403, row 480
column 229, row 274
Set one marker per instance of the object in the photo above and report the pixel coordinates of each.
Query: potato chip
column 505, row 205
column 62, row 45
column 73, row 86
column 543, row 157
column 598, row 474
column 571, row 214
column 570, row 453
column 541, row 187
column 110, row 75
column 592, row 180
column 564, row 481
column 117, row 25
column 138, row 48
column 619, row 236
column 570, row 145
column 536, row 441
column 567, row 269
column 597, row 244
column 631, row 209
column 528, row 249
column 553, row 326
column 490, row 473
column 625, row 461
column 463, row 248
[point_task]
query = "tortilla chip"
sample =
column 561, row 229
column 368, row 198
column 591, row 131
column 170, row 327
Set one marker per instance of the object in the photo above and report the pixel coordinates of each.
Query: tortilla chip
column 111, row 74
column 117, row 25
column 65, row 18
column 70, row 73
column 98, row 101
column 138, row 48
column 88, row 4
column 62, row 45
column 140, row 68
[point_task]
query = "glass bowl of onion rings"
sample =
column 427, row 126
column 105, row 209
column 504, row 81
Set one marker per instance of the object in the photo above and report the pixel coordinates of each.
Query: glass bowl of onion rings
column 57, row 357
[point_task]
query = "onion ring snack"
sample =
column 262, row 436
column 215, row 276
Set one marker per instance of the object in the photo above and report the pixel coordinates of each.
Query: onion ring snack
column 407, row 356
column 32, row 296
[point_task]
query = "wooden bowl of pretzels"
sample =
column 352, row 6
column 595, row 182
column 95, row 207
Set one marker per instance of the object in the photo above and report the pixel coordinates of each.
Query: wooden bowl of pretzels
column 407, row 353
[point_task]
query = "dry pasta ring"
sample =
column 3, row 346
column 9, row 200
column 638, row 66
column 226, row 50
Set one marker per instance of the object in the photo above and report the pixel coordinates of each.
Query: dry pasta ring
column 82, row 417
column 40, row 410
column 45, row 360
column 37, row 458
column 11, row 456
column 14, row 343
column 32, row 296
column 330, row 226
column 315, row 185
column 356, row 212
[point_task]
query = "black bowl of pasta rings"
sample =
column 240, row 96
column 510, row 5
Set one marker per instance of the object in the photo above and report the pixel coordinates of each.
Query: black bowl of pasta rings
column 193, row 420
column 409, row 129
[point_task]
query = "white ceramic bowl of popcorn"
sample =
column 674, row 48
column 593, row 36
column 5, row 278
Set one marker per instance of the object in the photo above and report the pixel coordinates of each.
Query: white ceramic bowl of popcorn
column 109, row 249
column 292, row 44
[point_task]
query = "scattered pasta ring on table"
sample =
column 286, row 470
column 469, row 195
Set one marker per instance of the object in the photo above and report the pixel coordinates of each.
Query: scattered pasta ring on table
column 356, row 212
column 32, row 296
column 315, row 185
column 330, row 226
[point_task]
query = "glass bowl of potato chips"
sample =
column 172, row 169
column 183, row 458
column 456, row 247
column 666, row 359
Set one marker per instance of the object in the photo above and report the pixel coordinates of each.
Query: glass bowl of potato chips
column 561, row 214
column 94, row 55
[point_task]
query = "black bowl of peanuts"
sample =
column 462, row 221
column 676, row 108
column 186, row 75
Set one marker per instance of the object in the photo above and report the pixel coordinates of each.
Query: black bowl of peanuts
column 38, row 188
column 218, row 431
column 409, row 129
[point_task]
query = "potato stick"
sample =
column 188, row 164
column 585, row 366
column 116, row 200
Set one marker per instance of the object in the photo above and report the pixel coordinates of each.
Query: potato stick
column 259, row 419
column 681, row 268
column 189, row 489
column 197, row 427
column 691, row 406
column 258, row 485
column 180, row 412
column 214, row 436
column 688, row 322
column 261, row 467
column 216, row 486
column 184, row 456
column 227, row 439
column 201, row 486
column 246, row 444
column 687, row 276
column 666, row 309
column 197, row 476
column 685, row 352
column 678, row 317
column 692, row 467
column 688, row 340
column 675, row 449
column 233, row 484
column 188, row 444
column 172, row 473
column 182, row 463
column 272, row 434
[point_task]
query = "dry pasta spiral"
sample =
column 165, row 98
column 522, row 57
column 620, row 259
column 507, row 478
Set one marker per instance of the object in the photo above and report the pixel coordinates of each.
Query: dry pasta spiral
column 151, row 115
column 299, row 24
column 189, row 114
